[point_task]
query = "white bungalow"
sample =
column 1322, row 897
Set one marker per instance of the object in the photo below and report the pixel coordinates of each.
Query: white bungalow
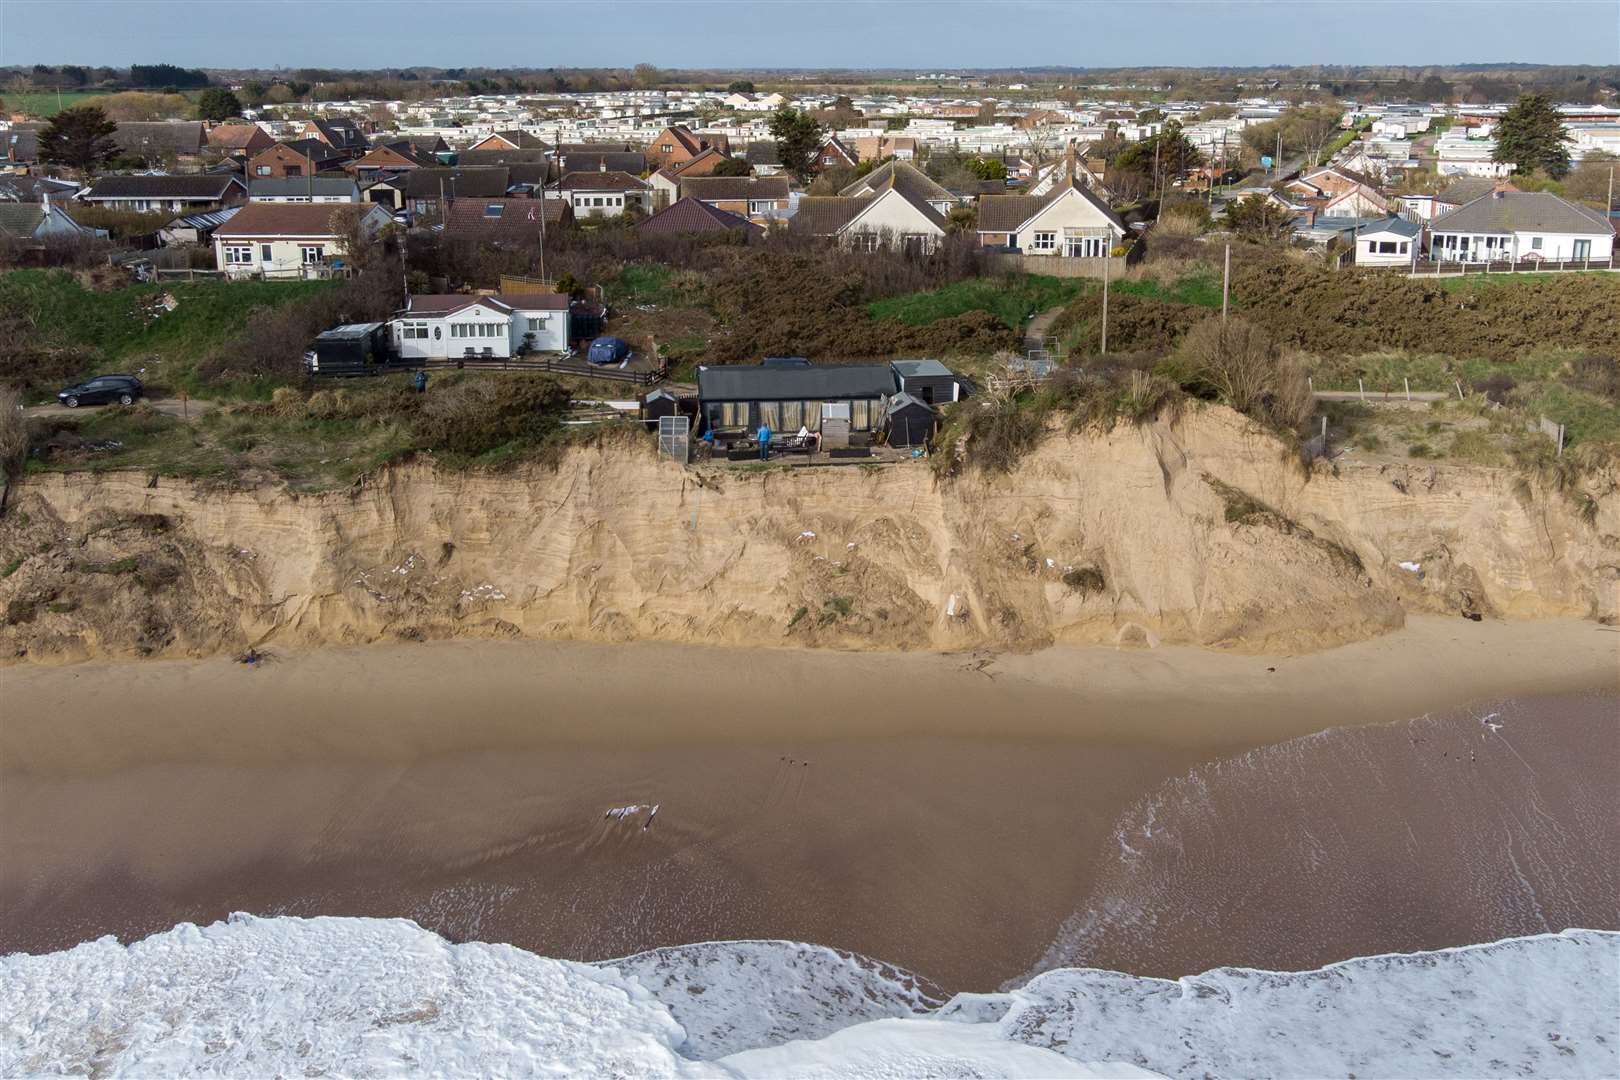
column 1070, row 221
column 453, row 327
column 1516, row 225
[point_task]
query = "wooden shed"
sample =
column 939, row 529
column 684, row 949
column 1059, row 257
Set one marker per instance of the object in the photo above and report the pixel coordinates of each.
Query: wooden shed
column 910, row 420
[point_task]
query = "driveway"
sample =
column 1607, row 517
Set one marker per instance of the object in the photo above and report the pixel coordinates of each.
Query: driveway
column 168, row 406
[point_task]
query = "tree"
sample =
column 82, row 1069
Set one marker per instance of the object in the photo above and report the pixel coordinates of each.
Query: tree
column 648, row 77
column 987, row 111
column 1590, row 182
column 216, row 103
column 78, row 138
column 1257, row 218
column 740, row 86
column 1531, row 135
column 1239, row 365
column 1216, row 111
column 986, row 168
column 798, row 138
column 1169, row 150
column 732, row 167
column 253, row 92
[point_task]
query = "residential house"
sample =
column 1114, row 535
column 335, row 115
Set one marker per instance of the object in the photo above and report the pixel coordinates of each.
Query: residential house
column 240, row 141
column 605, row 193
column 908, row 178
column 762, row 158
column 666, row 187
column 506, row 222
column 739, row 398
column 340, row 133
column 425, row 187
column 678, row 144
column 1469, row 157
column 1335, row 191
column 585, row 159
column 21, row 187
column 196, row 228
column 474, row 158
column 1042, row 179
column 878, row 147
column 386, row 190
column 391, row 157
column 304, row 189
column 287, row 240
column 1424, row 206
column 1393, row 241
column 509, row 140
column 21, row 144
column 1071, row 221
column 757, row 198
column 178, row 194
column 449, row 327
column 893, row 217
column 703, row 163
column 38, row 222
column 835, row 155
column 691, row 215
column 168, row 143
column 1515, row 225
column 929, row 381
column 305, row 157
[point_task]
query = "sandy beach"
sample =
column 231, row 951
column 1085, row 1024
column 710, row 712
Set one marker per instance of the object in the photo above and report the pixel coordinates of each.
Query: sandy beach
column 954, row 814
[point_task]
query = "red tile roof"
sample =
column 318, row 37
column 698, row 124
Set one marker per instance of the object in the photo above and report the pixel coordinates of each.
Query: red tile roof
column 285, row 219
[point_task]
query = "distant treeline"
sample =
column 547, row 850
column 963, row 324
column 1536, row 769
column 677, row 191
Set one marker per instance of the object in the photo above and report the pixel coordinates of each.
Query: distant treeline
column 77, row 77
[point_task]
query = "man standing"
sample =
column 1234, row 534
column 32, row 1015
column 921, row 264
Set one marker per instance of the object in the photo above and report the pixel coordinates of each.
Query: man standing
column 764, row 441
column 421, row 382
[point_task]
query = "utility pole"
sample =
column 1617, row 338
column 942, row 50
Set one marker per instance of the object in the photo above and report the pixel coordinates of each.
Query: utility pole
column 1107, row 257
column 1226, row 279
column 1278, row 158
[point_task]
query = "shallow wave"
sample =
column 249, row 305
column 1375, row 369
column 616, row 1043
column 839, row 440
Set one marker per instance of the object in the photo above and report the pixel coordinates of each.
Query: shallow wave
column 1478, row 825
column 255, row 996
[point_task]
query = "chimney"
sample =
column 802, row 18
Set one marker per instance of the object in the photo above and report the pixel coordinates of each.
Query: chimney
column 1069, row 162
column 601, row 164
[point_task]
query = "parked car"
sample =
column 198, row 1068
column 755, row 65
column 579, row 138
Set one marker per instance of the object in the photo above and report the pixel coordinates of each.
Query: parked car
column 102, row 390
column 608, row 350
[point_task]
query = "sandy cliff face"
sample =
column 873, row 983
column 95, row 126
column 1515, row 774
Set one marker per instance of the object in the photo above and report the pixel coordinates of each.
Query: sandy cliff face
column 1124, row 537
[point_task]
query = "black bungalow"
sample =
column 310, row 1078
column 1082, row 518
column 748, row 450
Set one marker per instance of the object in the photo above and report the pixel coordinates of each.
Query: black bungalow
column 910, row 420
column 787, row 398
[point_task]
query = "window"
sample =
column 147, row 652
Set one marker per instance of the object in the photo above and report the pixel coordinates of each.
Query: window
column 263, row 170
column 1535, row 243
column 538, row 324
column 493, row 210
column 415, row 331
column 1386, row 247
column 1044, row 241
column 1404, row 247
column 667, row 148
column 311, row 255
column 238, row 256
column 265, row 253
column 294, row 170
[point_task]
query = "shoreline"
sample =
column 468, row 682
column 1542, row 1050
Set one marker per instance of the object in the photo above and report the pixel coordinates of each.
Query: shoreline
column 946, row 812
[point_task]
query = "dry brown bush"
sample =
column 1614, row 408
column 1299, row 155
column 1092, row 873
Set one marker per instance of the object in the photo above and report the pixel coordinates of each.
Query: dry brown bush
column 1238, row 363
column 13, row 432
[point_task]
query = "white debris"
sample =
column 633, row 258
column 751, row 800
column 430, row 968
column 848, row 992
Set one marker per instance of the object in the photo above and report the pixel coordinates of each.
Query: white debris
column 807, row 535
column 850, row 546
column 1411, row 567
column 950, row 606
column 407, row 566
column 621, row 813
column 483, row 592
column 1050, row 563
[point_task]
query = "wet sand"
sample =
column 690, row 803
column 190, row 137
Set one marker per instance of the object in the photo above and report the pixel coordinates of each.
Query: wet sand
column 952, row 814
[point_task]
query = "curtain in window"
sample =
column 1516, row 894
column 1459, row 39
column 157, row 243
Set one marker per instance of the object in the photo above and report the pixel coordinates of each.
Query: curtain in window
column 812, row 415
column 792, row 415
column 770, row 414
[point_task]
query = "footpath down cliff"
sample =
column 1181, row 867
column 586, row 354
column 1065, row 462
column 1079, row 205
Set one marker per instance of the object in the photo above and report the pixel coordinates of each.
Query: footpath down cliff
column 1198, row 528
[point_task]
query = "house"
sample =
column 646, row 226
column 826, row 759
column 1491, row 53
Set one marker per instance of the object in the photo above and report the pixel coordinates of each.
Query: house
column 179, row 194
column 929, row 381
column 835, row 155
column 306, row 157
column 509, row 140
column 40, row 221
column 1517, row 225
column 691, row 215
column 909, row 179
column 678, row 144
column 878, row 147
column 340, row 133
column 758, row 198
column 666, row 187
column 197, row 228
column 473, row 158
column 735, row 397
column 762, row 158
column 303, row 189
column 386, row 190
column 395, row 156
column 425, row 187
column 288, row 240
column 605, row 194
column 239, row 140
column 506, row 222
column 448, row 327
column 1335, row 191
column 21, row 144
column 893, row 217
column 1391, row 242
column 19, row 187
column 1070, row 221
column 587, row 159
column 162, row 142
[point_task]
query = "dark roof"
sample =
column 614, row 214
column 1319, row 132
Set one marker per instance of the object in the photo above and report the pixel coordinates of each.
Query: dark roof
column 597, row 148
column 629, row 161
column 341, row 133
column 922, row 369
column 903, row 177
column 734, row 187
column 517, row 219
column 1522, row 211
column 15, row 188
column 823, row 215
column 690, row 216
column 234, row 136
column 195, row 186
column 522, row 140
column 531, row 173
column 21, row 143
column 313, row 149
column 1465, row 189
column 278, row 186
column 20, row 219
column 1004, row 213
column 409, row 151
column 500, row 157
column 288, row 219
column 601, row 181
column 475, row 183
column 156, row 137
column 739, row 383
column 761, row 153
column 447, row 303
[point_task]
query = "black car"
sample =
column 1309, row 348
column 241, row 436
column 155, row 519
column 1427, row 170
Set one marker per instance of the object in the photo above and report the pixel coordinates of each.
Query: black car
column 101, row 390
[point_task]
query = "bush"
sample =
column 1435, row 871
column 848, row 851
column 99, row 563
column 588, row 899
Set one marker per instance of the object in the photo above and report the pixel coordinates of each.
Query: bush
column 478, row 416
column 1237, row 363
column 13, row 432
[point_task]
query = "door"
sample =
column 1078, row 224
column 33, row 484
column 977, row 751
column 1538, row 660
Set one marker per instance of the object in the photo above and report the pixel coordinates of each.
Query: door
column 1583, row 250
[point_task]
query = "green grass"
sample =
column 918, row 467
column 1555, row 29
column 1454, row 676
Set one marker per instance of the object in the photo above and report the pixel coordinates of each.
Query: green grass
column 1201, row 288
column 643, row 283
column 116, row 326
column 45, row 104
column 1479, row 280
column 1012, row 300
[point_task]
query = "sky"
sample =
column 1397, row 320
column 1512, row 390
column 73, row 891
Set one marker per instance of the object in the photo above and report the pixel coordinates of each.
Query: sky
column 806, row 33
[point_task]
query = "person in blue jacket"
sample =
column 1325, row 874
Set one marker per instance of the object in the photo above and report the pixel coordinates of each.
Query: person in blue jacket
column 421, row 382
column 764, row 441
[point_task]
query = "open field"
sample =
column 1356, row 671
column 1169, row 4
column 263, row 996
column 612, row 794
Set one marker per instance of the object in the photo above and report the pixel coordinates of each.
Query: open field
column 47, row 103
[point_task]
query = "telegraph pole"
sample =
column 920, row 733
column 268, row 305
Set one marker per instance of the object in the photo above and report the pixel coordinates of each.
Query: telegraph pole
column 1226, row 279
column 1107, row 257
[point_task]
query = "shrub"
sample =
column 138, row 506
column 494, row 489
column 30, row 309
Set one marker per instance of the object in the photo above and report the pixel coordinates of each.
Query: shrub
column 477, row 416
column 13, row 432
column 1237, row 363
column 1085, row 580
